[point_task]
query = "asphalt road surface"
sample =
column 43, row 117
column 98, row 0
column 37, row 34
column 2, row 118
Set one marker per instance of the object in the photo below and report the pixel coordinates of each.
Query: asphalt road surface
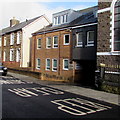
column 29, row 100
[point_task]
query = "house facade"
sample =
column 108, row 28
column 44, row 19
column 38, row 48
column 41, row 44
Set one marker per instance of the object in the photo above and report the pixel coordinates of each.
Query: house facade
column 108, row 43
column 54, row 52
column 15, row 41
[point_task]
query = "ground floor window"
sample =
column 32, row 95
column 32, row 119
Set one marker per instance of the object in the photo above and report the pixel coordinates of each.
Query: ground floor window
column 65, row 64
column 54, row 64
column 38, row 63
column 18, row 55
column 4, row 56
column 47, row 64
column 11, row 54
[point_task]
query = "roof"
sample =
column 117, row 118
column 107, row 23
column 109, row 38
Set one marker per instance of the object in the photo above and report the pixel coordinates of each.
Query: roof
column 84, row 19
column 17, row 26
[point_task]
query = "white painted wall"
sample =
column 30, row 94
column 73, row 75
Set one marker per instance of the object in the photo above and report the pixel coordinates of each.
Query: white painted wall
column 27, row 35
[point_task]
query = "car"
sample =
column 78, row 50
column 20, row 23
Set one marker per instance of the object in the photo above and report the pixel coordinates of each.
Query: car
column 3, row 70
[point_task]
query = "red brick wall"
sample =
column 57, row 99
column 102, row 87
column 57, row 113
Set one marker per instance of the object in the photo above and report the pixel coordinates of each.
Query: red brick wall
column 60, row 53
column 8, row 63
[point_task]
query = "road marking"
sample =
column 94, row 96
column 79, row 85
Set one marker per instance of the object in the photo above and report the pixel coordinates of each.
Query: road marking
column 11, row 82
column 29, row 92
column 78, row 106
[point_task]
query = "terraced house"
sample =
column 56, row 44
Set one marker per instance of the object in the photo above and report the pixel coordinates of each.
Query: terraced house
column 53, row 46
column 15, row 41
column 108, row 50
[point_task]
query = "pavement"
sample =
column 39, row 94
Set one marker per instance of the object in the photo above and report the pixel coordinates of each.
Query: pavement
column 72, row 88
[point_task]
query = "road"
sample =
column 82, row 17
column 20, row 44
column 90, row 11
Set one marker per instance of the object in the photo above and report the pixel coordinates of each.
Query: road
column 22, row 99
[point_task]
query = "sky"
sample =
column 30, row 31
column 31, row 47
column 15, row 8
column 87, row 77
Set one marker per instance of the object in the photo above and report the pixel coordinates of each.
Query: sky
column 28, row 9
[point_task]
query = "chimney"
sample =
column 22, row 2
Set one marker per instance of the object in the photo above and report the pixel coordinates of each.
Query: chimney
column 14, row 22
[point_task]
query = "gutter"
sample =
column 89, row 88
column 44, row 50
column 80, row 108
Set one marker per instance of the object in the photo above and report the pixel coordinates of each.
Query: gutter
column 55, row 30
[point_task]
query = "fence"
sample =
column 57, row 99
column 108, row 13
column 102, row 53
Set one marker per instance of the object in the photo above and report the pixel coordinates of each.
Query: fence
column 108, row 79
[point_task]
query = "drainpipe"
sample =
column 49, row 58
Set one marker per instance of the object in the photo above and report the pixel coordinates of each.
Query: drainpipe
column 59, row 54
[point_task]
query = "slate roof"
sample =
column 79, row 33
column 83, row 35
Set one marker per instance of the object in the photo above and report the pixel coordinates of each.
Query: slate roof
column 18, row 26
column 84, row 19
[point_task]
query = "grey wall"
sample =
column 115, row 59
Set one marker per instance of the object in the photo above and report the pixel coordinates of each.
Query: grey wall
column 85, row 52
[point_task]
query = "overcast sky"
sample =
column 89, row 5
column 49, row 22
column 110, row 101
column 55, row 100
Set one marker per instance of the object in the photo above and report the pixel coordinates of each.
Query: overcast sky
column 27, row 9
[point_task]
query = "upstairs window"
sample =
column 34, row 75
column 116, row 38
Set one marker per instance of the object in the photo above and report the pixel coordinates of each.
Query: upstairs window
column 66, row 39
column 5, row 41
column 79, row 39
column 38, row 43
column 38, row 63
column 116, row 44
column 18, row 37
column 90, row 38
column 12, row 38
column 54, row 64
column 55, row 42
column 11, row 54
column 48, row 42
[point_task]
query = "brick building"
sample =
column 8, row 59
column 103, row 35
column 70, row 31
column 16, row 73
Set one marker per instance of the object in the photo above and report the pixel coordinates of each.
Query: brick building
column 108, row 43
column 53, row 45
column 15, row 41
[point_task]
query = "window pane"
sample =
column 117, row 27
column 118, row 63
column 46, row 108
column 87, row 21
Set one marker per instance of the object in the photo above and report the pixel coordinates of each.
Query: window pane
column 117, row 46
column 48, row 42
column 39, row 43
column 117, row 24
column 58, row 19
column 54, row 63
column 117, row 17
column 117, row 10
column 38, row 62
column 48, row 62
column 55, row 40
column 66, row 39
column 80, row 35
column 66, row 64
column 91, row 36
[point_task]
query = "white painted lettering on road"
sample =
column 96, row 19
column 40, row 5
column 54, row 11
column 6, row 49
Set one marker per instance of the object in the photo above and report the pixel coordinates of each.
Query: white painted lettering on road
column 29, row 92
column 78, row 106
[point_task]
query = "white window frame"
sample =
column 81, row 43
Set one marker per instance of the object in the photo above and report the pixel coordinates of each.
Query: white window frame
column 38, row 66
column 46, row 65
column 11, row 55
column 5, row 41
column 0, row 41
column 65, row 18
column 56, row 20
column 112, row 27
column 12, row 35
column 55, row 44
column 64, row 64
column 4, row 56
column 39, row 46
column 18, row 55
column 78, row 44
column 53, row 66
column 69, row 39
column 90, row 43
column 48, row 46
column 18, row 37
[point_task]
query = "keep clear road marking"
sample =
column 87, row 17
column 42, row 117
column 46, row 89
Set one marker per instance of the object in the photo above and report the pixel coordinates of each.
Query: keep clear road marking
column 29, row 92
column 78, row 106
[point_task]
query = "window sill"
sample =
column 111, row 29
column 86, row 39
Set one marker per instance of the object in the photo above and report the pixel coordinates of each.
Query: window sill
column 37, row 68
column 65, row 69
column 79, row 46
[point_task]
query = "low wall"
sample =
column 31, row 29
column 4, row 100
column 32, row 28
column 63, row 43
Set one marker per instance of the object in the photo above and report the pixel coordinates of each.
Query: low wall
column 41, row 76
